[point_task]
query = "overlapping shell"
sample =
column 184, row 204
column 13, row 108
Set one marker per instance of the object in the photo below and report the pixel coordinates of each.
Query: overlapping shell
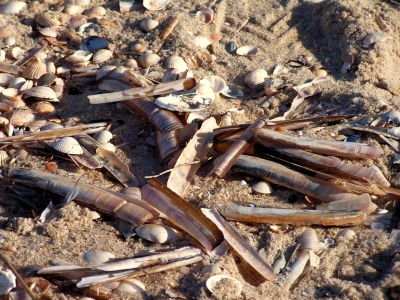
column 101, row 56
column 157, row 233
column 175, row 62
column 67, row 145
column 103, row 136
column 148, row 60
column 34, row 70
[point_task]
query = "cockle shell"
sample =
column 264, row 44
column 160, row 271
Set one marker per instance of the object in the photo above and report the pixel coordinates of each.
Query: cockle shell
column 43, row 107
column 103, row 136
column 148, row 60
column 97, row 257
column 12, row 7
column 131, row 63
column 72, row 9
column 79, row 56
column 246, row 50
column 101, row 56
column 95, row 12
column 157, row 233
column 42, row 92
column 155, row 4
column 58, row 90
column 7, row 281
column 262, row 187
column 255, row 79
column 217, row 83
column 11, row 94
column 34, row 70
column 175, row 62
column 148, row 24
column 21, row 117
column 130, row 286
column 48, row 31
column 3, row 158
column 67, row 145
column 6, row 79
column 4, row 121
column 76, row 21
column 214, row 284
column 104, row 71
column 45, row 19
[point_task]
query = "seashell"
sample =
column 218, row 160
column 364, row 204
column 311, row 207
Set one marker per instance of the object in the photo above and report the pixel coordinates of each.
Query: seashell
column 48, row 31
column 109, row 146
column 4, row 121
column 3, row 158
column 97, row 257
column 279, row 228
column 155, row 4
column 93, row 43
column 348, row 234
column 148, row 60
column 246, row 50
column 215, row 283
column 11, row 8
column 11, row 94
column 171, row 75
column 232, row 91
column 17, row 82
column 395, row 131
column 51, row 126
column 113, row 85
column 320, row 73
column 103, row 136
column 95, row 12
column 34, row 70
column 308, row 240
column 35, row 125
column 262, row 187
column 215, row 82
column 86, row 28
column 379, row 122
column 76, row 21
column 148, row 24
column 131, row 63
column 58, row 90
column 6, row 79
column 21, row 117
column 42, row 92
column 79, row 56
column 139, row 48
column 376, row 37
column 38, row 285
column 45, row 19
column 17, row 52
column 9, row 41
column 176, row 62
column 5, row 107
column 50, row 67
column 206, row 91
column 67, row 145
column 201, row 41
column 226, row 120
column 43, row 107
column 7, row 281
column 71, row 9
column 46, row 79
column 101, row 56
column 131, row 191
column 208, row 14
column 255, row 79
column 157, row 233
column 130, row 286
column 82, row 2
column 104, row 71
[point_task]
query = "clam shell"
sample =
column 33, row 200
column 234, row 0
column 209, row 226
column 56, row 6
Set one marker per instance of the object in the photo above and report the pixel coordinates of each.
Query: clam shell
column 95, row 12
column 45, row 19
column 138, row 48
column 246, row 50
column 72, row 9
column 171, row 75
column 2, row 55
column 232, row 91
column 43, row 107
column 157, row 233
column 376, row 37
column 109, row 146
column 51, row 126
column 348, row 234
column 4, row 121
column 58, row 90
column 9, row 41
column 175, row 62
column 101, row 56
column 46, row 79
column 148, row 60
column 93, row 43
column 6, row 79
column 206, row 91
column 18, row 52
column 201, row 41
column 148, row 24
column 104, row 71
column 34, row 70
column 5, row 107
column 308, row 240
column 262, row 187
column 226, row 120
column 7, row 281
column 17, row 82
column 255, row 79
column 11, row 94
column 155, row 4
column 131, row 63
column 130, row 286
column 215, row 82
column 11, row 8
column 48, row 31
column 214, row 284
column 97, row 257
column 67, row 145
column 3, row 158
column 76, row 21
column 208, row 14
column 21, row 117
column 42, row 92
column 103, row 136
column 79, row 56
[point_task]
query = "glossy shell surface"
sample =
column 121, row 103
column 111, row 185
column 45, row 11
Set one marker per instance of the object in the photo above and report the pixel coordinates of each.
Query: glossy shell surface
column 246, row 50
column 103, row 136
column 68, row 145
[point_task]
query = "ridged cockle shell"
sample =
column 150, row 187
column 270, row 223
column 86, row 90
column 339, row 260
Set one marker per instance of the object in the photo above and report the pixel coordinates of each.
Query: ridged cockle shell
column 68, row 145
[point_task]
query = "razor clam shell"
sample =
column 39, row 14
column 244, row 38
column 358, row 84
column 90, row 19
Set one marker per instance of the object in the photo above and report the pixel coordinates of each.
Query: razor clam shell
column 175, row 62
column 104, row 71
column 98, row 257
column 361, row 202
column 103, row 136
column 215, row 82
column 186, row 101
column 214, row 285
column 42, row 92
column 155, row 4
column 11, row 8
column 101, row 56
column 157, row 233
column 67, row 145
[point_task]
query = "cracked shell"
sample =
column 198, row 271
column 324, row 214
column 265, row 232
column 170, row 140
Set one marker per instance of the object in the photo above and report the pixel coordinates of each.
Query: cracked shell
column 67, row 145
column 175, row 62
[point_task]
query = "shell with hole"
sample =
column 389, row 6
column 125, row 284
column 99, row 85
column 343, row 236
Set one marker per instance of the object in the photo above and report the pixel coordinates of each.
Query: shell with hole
column 97, row 257
column 175, row 62
column 148, row 60
column 262, row 187
column 157, row 233
column 42, row 92
column 67, row 145
column 255, row 79
column 34, row 70
column 215, row 82
column 232, row 289
column 101, row 56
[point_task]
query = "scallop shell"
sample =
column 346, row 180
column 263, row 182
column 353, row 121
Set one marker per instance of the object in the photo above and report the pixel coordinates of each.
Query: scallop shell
column 93, row 43
column 215, row 82
column 76, row 21
column 148, row 60
column 9, row 41
column 21, row 117
column 43, row 107
column 255, row 79
column 215, row 282
column 262, row 187
column 7, row 281
column 97, row 257
column 175, row 62
column 208, row 14
column 11, row 8
column 148, row 24
column 42, row 92
column 246, row 50
column 104, row 71
column 101, row 56
column 103, row 136
column 72, row 9
column 48, row 31
column 34, row 70
column 131, row 63
column 79, row 56
column 157, row 233
column 45, row 19
column 130, row 286
column 3, row 158
column 139, row 48
column 201, row 41
column 155, row 4
column 46, row 79
column 95, row 12
column 6, row 79
column 67, row 145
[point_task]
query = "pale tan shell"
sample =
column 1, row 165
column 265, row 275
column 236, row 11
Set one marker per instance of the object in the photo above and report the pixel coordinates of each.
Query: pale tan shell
column 148, row 24
column 104, row 71
column 113, row 85
column 246, row 50
column 17, row 52
column 51, row 126
column 217, row 83
column 139, row 48
column 48, row 31
column 201, row 41
column 21, row 117
column 79, row 56
column 214, row 285
column 157, row 233
column 262, row 187
column 348, row 234
column 45, row 19
column 58, row 90
column 17, row 82
column 3, row 158
column 34, row 70
column 97, row 257
column 10, row 93
column 130, row 190
column 12, row 7
column 76, row 21
column 103, row 136
column 4, row 121
column 376, row 37
column 131, row 63
column 109, row 146
column 6, row 79
column 206, row 91
column 148, row 60
column 50, row 67
column 67, row 145
column 226, row 120
column 95, row 12
column 4, row 32
column 155, row 4
column 175, row 62
column 82, row 2
column 46, row 79
column 9, row 41
column 130, row 286
column 308, row 240
column 2, row 55
column 255, row 79
column 4, row 107
column 42, row 92
column 43, row 107
column 72, row 9
column 101, row 56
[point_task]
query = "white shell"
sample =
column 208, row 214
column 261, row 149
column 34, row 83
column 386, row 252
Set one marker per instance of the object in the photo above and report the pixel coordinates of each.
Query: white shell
column 101, row 56
column 9, row 41
column 131, row 63
column 246, row 50
column 148, row 60
column 97, row 257
column 262, row 187
column 255, row 79
column 348, row 234
column 175, row 62
column 48, row 31
column 130, row 286
column 34, row 70
column 68, row 145
column 79, row 56
column 3, row 158
column 308, row 240
column 7, row 281
column 232, row 91
column 138, row 48
column 12, row 7
column 157, row 233
column 148, row 24
column 104, row 71
column 214, row 283
column 215, row 82
column 103, row 136
column 376, row 37
column 95, row 12
column 201, row 41
column 72, row 9
column 18, row 52
column 42, row 92
column 109, row 146
column 6, row 79
column 155, row 4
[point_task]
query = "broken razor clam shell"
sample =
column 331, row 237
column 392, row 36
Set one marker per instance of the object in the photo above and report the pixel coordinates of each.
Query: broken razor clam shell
column 215, row 82
column 7, row 281
column 97, row 257
column 157, row 233
column 232, row 91
column 188, row 101
column 224, row 286
column 67, row 145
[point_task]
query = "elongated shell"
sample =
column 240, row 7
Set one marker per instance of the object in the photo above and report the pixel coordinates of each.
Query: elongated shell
column 68, row 145
column 97, row 257
column 42, row 92
column 34, row 70
column 157, row 233
column 101, row 56
column 175, row 62
column 11, row 8
column 255, row 79
column 103, row 136
column 155, row 4
column 218, row 284
column 148, row 24
column 148, row 60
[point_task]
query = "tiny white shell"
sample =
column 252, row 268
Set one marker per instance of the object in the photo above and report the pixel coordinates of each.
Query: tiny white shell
column 68, row 145
column 148, row 24
column 175, row 62
column 157, row 233
column 262, row 187
column 130, row 286
column 103, row 136
column 201, row 41
column 7, row 281
column 214, row 285
column 217, row 83
column 155, row 4
column 148, row 60
column 97, row 257
column 101, row 56
column 12, row 7
column 246, row 50
column 255, row 79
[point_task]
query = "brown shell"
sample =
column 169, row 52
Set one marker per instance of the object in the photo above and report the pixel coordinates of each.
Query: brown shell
column 45, row 19
column 43, row 107
column 34, row 70
column 21, row 117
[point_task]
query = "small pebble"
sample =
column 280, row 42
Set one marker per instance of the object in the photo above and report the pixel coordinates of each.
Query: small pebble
column 231, row 48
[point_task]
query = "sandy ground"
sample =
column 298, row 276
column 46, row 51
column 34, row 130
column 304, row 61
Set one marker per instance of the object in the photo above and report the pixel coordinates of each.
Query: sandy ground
column 327, row 31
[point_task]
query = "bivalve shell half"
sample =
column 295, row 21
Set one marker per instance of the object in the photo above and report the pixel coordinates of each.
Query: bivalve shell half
column 17, row 82
column 155, row 4
column 48, row 31
column 50, row 67
column 148, row 60
column 21, row 117
column 232, row 91
column 97, row 257
column 148, row 24
column 104, row 71
column 18, row 52
column 95, row 12
column 255, row 79
column 131, row 63
column 45, row 19
column 79, row 56
column 246, row 50
column 157, row 233
column 201, row 41
column 262, row 187
column 93, row 43
column 7, row 281
column 130, row 286
column 46, row 79
column 51, row 126
column 43, row 107
column 103, row 136
column 214, row 284
column 176, row 62
column 11, row 94
column 101, row 56
column 72, row 9
column 76, row 21
column 12, row 7
column 34, row 70
column 215, row 82
column 6, row 79
column 42, row 92
column 67, row 145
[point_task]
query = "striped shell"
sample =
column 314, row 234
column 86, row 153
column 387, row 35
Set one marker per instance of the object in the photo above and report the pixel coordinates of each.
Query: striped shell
column 148, row 24
column 155, row 4
column 34, row 70
column 42, row 92
column 3, row 158
column 43, row 107
column 21, row 117
column 104, row 71
column 176, row 62
column 95, row 12
column 67, row 145
column 12, row 7
column 148, row 60
column 45, row 19
column 101, row 56
column 255, row 79
column 79, row 56
column 6, row 79
column 103, row 136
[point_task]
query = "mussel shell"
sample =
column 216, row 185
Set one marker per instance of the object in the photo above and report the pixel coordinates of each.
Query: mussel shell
column 67, row 145
column 93, row 43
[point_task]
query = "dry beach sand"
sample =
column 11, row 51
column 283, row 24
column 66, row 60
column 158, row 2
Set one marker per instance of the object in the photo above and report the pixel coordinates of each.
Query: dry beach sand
column 327, row 31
